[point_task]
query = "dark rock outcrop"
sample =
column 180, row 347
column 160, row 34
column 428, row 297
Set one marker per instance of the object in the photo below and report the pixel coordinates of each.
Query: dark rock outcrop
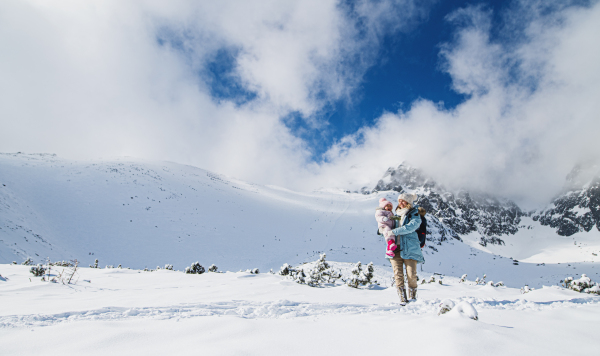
column 456, row 213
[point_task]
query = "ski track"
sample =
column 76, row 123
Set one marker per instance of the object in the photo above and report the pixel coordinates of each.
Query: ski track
column 283, row 309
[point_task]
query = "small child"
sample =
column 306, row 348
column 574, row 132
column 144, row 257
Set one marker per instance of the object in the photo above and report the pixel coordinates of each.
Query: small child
column 385, row 223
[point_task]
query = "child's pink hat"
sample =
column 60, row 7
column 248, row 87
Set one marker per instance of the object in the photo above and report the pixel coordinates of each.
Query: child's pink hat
column 383, row 202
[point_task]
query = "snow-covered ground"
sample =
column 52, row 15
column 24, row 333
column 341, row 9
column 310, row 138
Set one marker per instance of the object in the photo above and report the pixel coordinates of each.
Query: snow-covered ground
column 124, row 312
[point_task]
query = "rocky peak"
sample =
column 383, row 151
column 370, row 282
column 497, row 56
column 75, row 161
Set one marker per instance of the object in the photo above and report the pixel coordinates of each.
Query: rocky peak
column 459, row 213
column 575, row 211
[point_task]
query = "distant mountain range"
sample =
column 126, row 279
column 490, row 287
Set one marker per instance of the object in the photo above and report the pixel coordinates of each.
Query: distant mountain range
column 461, row 213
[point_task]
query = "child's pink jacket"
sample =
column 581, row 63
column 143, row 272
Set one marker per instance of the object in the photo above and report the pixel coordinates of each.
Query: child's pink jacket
column 380, row 214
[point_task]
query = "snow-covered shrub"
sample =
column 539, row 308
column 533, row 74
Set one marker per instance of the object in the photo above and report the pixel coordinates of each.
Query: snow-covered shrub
column 526, row 289
column 213, row 268
column 432, row 280
column 27, row 262
column 445, row 306
column 14, row 262
column 69, row 273
column 95, row 265
column 285, row 270
column 582, row 285
column 195, row 268
column 463, row 279
column 465, row 309
column 462, row 309
column 119, row 266
column 297, row 274
column 322, row 272
column 254, row 271
column 480, row 281
column 492, row 284
column 359, row 277
column 62, row 264
column 38, row 270
column 109, row 266
column 169, row 267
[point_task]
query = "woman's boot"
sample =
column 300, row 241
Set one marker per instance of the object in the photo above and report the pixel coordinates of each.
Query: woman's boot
column 412, row 294
column 402, row 295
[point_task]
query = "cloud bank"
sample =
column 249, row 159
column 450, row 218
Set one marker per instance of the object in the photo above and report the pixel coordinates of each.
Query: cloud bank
column 531, row 115
column 111, row 78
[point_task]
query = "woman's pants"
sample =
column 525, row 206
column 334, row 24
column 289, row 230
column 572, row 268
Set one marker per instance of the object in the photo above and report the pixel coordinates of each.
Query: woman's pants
column 411, row 271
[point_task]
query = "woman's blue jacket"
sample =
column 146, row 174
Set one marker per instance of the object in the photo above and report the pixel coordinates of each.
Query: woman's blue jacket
column 407, row 238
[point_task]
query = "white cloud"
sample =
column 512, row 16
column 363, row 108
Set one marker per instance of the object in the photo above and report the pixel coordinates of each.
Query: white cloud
column 102, row 78
column 531, row 116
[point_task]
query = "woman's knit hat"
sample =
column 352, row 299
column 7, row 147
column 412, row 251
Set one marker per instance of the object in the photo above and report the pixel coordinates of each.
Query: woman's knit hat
column 383, row 202
column 409, row 198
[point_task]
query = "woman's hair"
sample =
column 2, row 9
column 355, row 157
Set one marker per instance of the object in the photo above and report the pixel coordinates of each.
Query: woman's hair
column 408, row 205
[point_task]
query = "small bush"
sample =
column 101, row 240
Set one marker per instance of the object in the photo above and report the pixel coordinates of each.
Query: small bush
column 297, row 275
column 95, row 265
column 445, row 306
column 213, row 268
column 322, row 272
column 38, row 270
column 169, row 267
column 360, row 277
column 62, row 264
column 27, row 262
column 526, row 289
column 582, row 285
column 480, row 281
column 195, row 268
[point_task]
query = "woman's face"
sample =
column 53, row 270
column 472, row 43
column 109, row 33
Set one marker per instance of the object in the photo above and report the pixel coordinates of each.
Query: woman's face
column 403, row 203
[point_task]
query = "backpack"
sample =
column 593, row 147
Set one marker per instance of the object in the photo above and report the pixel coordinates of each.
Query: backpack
column 422, row 231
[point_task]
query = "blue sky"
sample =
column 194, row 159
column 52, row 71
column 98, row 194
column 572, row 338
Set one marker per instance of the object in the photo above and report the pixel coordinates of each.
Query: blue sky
column 497, row 96
column 407, row 68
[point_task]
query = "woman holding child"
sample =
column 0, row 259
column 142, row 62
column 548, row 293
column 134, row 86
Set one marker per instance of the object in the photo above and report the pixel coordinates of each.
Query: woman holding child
column 403, row 243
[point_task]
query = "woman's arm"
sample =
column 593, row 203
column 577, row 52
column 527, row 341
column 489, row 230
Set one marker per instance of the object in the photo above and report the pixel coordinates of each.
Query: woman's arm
column 411, row 226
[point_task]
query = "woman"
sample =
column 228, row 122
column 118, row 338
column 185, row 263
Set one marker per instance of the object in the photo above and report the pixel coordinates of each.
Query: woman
column 409, row 246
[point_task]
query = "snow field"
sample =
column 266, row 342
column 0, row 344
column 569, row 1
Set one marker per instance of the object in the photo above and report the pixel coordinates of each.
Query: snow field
column 116, row 311
column 147, row 214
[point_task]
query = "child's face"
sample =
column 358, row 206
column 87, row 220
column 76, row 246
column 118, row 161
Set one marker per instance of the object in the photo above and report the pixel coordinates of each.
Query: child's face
column 388, row 207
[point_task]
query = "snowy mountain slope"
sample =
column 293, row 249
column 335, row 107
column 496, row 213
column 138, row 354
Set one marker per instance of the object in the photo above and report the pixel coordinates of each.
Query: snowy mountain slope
column 144, row 214
column 147, row 214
